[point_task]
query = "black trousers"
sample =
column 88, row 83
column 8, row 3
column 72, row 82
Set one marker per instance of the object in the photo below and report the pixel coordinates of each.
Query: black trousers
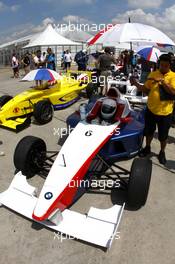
column 162, row 122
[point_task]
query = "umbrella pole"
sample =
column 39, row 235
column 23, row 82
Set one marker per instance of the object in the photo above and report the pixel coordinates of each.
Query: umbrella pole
column 130, row 45
column 129, row 20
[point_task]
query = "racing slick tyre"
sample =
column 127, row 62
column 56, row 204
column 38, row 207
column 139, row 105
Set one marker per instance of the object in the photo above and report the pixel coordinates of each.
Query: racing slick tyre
column 139, row 181
column 43, row 112
column 29, row 155
column 4, row 99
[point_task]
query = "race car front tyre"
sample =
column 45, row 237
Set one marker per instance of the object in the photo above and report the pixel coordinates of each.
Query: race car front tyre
column 139, row 182
column 29, row 155
column 43, row 112
column 4, row 99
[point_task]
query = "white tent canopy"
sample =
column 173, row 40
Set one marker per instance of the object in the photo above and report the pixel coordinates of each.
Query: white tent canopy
column 49, row 37
column 19, row 41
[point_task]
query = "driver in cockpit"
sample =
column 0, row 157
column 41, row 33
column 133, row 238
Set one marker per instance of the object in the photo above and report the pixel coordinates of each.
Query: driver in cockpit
column 107, row 110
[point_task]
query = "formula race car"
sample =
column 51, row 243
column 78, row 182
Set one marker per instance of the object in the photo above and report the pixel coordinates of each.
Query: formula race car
column 122, row 83
column 129, row 91
column 84, row 158
column 15, row 113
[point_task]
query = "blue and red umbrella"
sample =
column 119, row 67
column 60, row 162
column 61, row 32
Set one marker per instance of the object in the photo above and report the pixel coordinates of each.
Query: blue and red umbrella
column 42, row 75
column 149, row 53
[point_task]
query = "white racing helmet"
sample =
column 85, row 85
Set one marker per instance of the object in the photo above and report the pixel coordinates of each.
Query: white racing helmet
column 108, row 108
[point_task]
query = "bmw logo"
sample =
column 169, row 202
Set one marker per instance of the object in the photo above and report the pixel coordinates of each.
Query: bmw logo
column 48, row 195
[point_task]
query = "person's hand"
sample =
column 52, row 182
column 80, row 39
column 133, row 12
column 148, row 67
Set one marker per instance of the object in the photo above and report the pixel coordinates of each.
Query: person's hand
column 156, row 79
column 164, row 84
column 133, row 80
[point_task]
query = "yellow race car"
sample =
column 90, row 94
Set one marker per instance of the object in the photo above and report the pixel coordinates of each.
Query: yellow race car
column 15, row 113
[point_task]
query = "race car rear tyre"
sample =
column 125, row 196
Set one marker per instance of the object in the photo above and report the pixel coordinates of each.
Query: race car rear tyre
column 139, row 182
column 29, row 155
column 4, row 99
column 43, row 112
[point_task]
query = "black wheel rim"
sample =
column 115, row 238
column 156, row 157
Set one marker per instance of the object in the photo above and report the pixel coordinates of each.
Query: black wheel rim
column 47, row 113
column 36, row 159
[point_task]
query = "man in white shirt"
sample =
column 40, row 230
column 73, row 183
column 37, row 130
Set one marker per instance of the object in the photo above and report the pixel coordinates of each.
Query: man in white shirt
column 39, row 64
column 39, row 60
column 15, row 66
column 67, row 59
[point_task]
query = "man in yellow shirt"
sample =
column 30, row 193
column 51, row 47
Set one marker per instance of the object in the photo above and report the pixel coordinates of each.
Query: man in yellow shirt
column 159, row 110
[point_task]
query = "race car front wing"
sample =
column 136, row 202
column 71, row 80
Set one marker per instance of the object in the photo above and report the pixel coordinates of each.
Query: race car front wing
column 98, row 226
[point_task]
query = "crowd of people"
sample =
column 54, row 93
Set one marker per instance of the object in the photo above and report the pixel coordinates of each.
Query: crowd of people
column 31, row 61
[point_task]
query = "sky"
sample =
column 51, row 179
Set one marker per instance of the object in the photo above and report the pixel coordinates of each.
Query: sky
column 20, row 18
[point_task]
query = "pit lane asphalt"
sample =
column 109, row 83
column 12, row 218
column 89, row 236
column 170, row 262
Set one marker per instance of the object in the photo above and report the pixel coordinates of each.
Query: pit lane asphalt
column 146, row 235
